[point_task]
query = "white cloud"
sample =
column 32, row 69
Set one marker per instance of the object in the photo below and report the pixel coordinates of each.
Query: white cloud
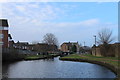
column 90, row 22
column 86, row 23
column 31, row 21
column 31, row 11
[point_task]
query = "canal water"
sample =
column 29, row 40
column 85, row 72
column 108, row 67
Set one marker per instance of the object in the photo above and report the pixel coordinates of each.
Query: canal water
column 55, row 68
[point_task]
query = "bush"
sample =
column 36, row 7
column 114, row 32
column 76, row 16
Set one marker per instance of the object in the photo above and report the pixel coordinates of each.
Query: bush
column 11, row 55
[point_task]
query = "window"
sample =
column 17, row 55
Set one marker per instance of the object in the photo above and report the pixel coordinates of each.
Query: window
column 1, row 36
column 1, row 43
column 3, row 28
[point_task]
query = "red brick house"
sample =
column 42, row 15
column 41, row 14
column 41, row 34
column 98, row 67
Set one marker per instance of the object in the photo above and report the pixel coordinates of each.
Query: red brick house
column 67, row 46
column 4, row 33
column 43, row 48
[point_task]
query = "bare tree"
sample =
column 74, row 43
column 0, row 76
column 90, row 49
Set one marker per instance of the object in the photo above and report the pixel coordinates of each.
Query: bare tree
column 50, row 38
column 105, row 36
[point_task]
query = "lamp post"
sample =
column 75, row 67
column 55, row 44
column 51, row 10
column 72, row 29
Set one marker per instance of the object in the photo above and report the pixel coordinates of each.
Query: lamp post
column 84, row 47
column 84, row 43
column 95, row 44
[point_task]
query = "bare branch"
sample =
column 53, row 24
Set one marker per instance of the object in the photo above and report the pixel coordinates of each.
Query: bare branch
column 50, row 38
column 105, row 36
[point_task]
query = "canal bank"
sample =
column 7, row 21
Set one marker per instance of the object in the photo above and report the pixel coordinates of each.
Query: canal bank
column 29, row 58
column 38, row 57
column 113, row 68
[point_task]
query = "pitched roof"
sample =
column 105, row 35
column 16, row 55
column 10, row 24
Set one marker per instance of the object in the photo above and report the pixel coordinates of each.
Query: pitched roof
column 4, row 23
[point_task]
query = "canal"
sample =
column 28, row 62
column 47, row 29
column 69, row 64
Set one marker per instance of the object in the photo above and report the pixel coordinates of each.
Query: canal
column 55, row 68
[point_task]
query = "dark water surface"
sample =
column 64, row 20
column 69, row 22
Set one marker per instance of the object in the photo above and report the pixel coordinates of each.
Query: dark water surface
column 54, row 68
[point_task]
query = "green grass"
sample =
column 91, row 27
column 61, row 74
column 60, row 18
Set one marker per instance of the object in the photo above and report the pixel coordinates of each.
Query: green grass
column 34, row 56
column 113, row 58
column 30, row 57
column 109, row 60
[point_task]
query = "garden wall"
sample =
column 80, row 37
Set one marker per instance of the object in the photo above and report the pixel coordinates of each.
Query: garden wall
column 114, row 50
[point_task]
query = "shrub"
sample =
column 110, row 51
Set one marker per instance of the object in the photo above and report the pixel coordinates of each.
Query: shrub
column 11, row 55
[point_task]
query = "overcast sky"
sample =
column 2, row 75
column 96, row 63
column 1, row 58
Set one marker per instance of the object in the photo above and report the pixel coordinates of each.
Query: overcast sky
column 69, row 21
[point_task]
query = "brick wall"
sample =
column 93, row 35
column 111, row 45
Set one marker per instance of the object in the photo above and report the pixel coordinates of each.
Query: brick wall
column 4, row 32
column 64, row 48
column 117, row 50
column 96, row 51
column 5, row 38
column 114, row 50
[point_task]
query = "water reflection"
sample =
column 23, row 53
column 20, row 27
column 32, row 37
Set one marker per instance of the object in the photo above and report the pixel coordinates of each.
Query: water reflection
column 54, row 68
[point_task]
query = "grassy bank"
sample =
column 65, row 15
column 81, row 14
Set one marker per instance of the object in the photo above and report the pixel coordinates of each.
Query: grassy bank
column 12, row 57
column 32, row 57
column 36, row 57
column 110, row 62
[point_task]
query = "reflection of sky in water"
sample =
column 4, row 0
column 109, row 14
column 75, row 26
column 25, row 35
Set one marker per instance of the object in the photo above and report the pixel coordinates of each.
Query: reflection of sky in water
column 56, row 69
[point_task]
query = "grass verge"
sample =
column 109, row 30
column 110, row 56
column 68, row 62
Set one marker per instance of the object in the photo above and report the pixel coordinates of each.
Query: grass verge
column 110, row 60
column 34, row 57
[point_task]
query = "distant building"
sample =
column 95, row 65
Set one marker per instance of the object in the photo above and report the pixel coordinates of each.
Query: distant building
column 40, row 47
column 67, row 47
column 53, row 49
column 113, row 50
column 4, row 33
column 44, row 47
column 21, row 45
column 85, row 50
column 31, row 47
